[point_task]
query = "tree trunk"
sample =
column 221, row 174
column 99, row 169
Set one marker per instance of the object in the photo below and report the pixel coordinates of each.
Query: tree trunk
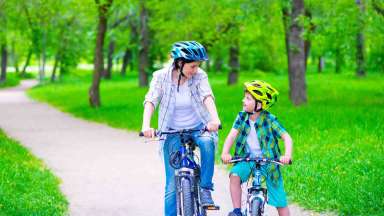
column 127, row 57
column 94, row 91
column 320, row 65
column 4, row 56
column 360, row 71
column 219, row 63
column 42, row 58
column 26, row 64
column 55, row 66
column 296, row 53
column 233, row 63
column 111, row 49
column 144, row 45
column 15, row 59
column 338, row 60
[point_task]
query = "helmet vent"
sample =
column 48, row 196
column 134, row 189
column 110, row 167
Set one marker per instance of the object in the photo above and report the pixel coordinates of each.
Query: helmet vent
column 258, row 92
column 269, row 96
column 185, row 51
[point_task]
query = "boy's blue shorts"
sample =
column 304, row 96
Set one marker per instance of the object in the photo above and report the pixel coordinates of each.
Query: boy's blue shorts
column 276, row 193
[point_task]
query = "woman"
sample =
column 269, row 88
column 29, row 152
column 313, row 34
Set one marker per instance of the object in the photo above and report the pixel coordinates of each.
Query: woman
column 185, row 101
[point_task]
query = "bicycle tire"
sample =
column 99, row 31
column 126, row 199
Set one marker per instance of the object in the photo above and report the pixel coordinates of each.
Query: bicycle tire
column 187, row 197
column 255, row 207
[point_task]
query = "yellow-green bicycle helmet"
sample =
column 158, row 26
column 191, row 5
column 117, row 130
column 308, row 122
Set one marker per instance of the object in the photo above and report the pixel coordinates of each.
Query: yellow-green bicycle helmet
column 262, row 92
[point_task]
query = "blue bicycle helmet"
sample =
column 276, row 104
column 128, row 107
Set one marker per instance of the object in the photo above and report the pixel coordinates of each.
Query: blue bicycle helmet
column 189, row 50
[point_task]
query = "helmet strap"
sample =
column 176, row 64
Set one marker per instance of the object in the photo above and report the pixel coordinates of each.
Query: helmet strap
column 258, row 110
column 180, row 74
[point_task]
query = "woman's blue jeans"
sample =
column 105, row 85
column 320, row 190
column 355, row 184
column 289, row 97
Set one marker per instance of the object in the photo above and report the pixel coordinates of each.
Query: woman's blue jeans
column 207, row 159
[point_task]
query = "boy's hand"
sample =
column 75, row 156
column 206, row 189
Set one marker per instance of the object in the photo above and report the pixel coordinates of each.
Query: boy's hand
column 225, row 157
column 285, row 159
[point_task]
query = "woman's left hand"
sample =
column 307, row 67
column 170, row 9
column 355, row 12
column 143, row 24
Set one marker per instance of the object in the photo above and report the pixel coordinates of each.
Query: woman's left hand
column 213, row 126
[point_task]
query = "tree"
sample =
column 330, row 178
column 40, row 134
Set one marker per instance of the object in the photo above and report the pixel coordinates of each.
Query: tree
column 144, row 60
column 94, row 91
column 295, row 51
column 360, row 40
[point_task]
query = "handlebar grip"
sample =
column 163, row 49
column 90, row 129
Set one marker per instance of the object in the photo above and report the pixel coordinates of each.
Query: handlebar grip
column 220, row 127
column 141, row 134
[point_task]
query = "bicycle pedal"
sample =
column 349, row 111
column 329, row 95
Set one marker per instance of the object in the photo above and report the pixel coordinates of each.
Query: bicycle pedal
column 212, row 207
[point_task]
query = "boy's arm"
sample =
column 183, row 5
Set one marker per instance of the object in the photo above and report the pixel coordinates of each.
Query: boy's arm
column 288, row 144
column 225, row 155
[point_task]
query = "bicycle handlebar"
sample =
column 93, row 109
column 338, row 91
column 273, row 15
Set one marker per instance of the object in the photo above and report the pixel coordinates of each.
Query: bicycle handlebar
column 159, row 133
column 257, row 160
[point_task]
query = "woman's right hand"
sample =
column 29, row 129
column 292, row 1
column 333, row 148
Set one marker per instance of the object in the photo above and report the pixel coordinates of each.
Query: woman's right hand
column 226, row 157
column 149, row 132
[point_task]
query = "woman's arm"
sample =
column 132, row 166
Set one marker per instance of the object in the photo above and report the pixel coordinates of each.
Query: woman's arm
column 149, row 108
column 213, row 125
column 225, row 155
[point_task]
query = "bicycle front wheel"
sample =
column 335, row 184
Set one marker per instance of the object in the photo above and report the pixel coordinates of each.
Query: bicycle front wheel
column 187, row 197
column 256, row 207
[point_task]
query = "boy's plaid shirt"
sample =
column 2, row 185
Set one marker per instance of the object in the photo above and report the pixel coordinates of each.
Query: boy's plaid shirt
column 268, row 130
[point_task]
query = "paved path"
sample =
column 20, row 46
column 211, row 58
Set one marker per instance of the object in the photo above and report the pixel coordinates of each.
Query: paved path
column 104, row 171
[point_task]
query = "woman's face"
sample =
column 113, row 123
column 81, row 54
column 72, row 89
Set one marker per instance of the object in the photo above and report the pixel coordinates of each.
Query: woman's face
column 190, row 69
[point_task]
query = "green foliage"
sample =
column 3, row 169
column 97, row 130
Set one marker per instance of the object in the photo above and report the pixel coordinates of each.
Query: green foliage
column 27, row 187
column 338, row 136
column 12, row 80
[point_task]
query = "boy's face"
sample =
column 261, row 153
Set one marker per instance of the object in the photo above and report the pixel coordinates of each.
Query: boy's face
column 248, row 103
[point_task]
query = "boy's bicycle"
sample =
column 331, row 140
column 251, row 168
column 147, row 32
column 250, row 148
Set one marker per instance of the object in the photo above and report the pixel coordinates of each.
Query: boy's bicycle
column 187, row 174
column 257, row 194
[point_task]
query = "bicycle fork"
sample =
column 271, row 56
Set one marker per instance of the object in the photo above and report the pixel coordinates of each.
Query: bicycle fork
column 256, row 194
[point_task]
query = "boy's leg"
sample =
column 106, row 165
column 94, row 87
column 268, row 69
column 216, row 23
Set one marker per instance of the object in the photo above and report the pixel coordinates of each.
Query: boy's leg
column 171, row 144
column 284, row 211
column 235, row 189
column 276, row 193
column 239, row 174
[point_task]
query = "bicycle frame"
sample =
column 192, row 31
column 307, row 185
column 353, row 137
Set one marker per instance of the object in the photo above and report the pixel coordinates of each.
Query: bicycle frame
column 257, row 195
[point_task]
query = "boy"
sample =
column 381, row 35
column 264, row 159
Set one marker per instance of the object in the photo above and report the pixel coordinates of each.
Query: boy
column 256, row 132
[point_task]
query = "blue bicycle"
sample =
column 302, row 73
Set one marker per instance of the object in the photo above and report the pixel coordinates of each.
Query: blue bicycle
column 257, row 194
column 187, row 175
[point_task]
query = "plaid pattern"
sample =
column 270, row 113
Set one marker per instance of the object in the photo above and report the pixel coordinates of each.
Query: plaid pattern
column 268, row 129
column 162, row 91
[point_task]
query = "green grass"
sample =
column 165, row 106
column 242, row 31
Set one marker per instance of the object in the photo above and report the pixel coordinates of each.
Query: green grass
column 12, row 80
column 338, row 135
column 27, row 187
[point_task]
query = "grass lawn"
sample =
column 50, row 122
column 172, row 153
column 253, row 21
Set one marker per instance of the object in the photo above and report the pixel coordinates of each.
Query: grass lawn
column 12, row 80
column 338, row 135
column 27, row 187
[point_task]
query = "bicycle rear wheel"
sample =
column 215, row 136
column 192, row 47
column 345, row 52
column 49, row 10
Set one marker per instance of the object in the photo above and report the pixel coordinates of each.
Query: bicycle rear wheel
column 187, row 197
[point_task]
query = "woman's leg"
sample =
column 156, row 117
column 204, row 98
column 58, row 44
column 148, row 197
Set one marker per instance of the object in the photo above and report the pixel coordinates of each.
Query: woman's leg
column 171, row 144
column 207, row 151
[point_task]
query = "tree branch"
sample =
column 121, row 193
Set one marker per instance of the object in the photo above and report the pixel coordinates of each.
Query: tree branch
column 377, row 7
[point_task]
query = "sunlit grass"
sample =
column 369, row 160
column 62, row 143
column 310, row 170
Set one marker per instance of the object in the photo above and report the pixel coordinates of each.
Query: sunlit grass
column 338, row 135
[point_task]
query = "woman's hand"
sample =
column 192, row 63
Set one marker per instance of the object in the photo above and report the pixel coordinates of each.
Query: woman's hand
column 285, row 159
column 226, row 157
column 149, row 132
column 213, row 126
